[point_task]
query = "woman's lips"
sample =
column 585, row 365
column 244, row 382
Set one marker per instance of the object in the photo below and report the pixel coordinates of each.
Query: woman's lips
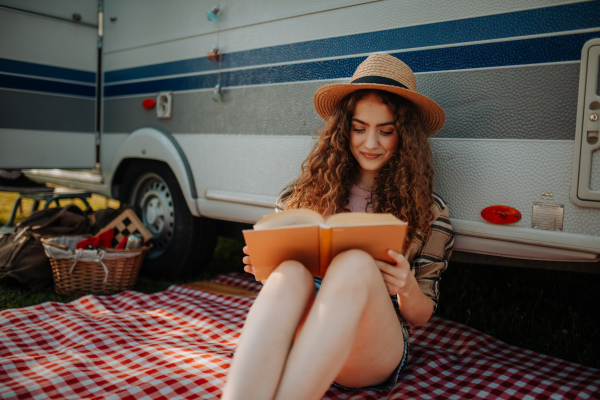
column 370, row 156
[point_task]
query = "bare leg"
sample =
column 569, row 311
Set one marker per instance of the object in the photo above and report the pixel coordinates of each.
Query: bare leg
column 351, row 335
column 269, row 332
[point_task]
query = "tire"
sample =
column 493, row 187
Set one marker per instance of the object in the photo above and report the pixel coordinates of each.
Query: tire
column 181, row 242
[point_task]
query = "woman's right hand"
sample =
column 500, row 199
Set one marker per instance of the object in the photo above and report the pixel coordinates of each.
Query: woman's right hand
column 246, row 260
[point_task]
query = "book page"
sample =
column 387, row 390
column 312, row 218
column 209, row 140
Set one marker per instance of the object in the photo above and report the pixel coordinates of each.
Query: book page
column 289, row 218
column 356, row 218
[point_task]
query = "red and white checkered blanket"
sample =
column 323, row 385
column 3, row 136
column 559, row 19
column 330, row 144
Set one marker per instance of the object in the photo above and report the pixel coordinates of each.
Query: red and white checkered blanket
column 179, row 343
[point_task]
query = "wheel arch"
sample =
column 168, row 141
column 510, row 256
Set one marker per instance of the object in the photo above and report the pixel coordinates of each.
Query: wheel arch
column 157, row 145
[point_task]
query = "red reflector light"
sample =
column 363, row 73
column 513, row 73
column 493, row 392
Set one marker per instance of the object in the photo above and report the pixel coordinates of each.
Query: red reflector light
column 501, row 214
column 149, row 103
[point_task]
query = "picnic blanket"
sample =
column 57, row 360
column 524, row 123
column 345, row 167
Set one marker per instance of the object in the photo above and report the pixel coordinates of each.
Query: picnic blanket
column 178, row 344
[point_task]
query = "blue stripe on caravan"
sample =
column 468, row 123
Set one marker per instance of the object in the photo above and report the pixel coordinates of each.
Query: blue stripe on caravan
column 519, row 52
column 522, row 23
column 46, row 71
column 169, row 68
column 41, row 85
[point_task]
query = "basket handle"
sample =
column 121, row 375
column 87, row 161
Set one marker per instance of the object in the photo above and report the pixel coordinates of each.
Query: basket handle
column 99, row 256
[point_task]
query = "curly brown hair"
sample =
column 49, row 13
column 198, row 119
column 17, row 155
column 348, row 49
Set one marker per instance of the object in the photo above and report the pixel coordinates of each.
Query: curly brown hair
column 403, row 187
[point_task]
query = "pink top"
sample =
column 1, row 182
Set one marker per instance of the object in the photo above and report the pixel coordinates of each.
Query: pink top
column 359, row 199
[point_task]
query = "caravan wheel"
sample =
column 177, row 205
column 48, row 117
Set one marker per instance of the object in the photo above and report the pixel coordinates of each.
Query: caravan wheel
column 181, row 241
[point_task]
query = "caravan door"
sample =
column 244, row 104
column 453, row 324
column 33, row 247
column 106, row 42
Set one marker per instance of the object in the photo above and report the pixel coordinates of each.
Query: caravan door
column 585, row 188
column 48, row 79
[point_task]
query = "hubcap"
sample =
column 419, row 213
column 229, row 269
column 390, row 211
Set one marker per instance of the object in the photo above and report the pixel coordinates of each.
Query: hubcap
column 152, row 197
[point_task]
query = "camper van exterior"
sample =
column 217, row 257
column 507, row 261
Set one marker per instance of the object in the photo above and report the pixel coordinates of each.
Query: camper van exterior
column 196, row 112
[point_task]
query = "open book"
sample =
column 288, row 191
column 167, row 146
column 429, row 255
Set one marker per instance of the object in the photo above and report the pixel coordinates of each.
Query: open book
column 305, row 236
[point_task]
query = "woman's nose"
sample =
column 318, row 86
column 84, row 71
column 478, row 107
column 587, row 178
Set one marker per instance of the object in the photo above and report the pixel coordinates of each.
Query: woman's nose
column 371, row 141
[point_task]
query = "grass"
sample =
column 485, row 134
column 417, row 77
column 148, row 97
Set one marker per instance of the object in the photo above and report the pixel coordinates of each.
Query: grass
column 547, row 311
column 551, row 312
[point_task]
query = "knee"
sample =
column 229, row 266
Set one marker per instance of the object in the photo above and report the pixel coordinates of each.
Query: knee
column 293, row 269
column 353, row 270
column 358, row 262
column 292, row 276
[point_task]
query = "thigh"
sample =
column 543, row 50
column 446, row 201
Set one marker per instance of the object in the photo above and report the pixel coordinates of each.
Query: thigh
column 379, row 345
column 378, row 349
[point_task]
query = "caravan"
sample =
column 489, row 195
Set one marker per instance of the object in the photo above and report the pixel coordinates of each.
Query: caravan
column 197, row 112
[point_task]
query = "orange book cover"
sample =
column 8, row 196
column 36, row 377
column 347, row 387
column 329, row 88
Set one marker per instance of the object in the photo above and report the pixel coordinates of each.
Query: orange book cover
column 305, row 236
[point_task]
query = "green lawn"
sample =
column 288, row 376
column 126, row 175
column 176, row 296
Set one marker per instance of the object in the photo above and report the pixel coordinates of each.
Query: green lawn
column 552, row 312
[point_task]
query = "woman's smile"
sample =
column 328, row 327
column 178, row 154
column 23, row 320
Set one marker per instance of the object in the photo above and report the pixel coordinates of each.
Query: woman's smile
column 370, row 156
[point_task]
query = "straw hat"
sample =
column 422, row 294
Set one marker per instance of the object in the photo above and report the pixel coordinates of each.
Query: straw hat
column 383, row 72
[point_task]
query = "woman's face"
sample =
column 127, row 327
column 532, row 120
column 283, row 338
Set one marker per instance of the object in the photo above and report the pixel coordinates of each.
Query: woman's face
column 373, row 137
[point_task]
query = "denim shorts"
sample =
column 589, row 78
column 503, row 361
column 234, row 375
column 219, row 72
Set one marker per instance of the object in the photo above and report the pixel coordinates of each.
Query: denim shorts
column 392, row 381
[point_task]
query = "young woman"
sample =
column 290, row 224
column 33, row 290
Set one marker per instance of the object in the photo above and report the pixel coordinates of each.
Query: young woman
column 352, row 327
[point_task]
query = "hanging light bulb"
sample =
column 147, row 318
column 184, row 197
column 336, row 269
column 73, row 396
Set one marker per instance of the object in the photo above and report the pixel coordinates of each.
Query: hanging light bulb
column 217, row 95
column 213, row 14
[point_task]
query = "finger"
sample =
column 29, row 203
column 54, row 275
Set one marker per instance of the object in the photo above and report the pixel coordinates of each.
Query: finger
column 249, row 269
column 245, row 250
column 387, row 270
column 246, row 260
column 392, row 270
column 394, row 276
column 392, row 284
column 401, row 261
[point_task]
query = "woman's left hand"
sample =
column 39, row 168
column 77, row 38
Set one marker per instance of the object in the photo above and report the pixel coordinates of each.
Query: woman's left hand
column 399, row 279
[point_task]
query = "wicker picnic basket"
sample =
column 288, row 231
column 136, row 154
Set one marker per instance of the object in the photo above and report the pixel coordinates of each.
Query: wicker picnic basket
column 94, row 271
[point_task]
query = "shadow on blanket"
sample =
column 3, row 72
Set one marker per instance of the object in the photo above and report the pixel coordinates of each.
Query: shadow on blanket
column 178, row 344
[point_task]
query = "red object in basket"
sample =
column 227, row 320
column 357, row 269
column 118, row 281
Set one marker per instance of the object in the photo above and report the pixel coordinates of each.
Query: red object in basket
column 102, row 240
column 122, row 243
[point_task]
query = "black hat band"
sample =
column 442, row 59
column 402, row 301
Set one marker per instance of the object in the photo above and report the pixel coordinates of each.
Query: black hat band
column 379, row 80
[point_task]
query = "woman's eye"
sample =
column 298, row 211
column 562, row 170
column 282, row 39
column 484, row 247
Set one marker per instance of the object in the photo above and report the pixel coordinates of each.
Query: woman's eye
column 355, row 129
column 386, row 132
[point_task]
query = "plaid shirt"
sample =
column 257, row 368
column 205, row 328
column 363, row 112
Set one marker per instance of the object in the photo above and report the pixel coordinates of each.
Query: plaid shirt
column 428, row 259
